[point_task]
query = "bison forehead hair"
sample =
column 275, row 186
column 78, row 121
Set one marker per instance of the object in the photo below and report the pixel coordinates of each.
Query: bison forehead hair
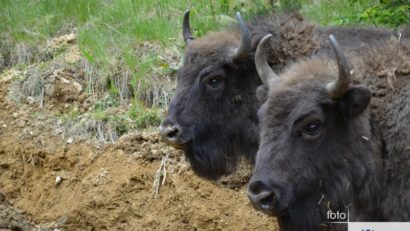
column 309, row 71
column 219, row 45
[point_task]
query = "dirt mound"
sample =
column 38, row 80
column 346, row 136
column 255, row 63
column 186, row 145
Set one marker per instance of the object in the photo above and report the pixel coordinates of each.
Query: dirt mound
column 137, row 183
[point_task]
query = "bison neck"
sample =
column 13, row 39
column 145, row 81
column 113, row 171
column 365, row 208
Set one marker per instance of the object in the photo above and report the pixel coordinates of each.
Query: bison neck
column 385, row 70
column 391, row 119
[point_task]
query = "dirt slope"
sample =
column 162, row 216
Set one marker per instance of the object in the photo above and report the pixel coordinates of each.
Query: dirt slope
column 83, row 186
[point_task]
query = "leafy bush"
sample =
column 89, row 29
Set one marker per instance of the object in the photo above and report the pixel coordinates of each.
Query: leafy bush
column 391, row 13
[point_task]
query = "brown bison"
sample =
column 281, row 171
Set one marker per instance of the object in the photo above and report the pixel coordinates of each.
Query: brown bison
column 335, row 137
column 213, row 113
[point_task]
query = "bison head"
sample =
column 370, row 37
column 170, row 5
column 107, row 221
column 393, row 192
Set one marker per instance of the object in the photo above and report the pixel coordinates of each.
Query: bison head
column 212, row 116
column 316, row 150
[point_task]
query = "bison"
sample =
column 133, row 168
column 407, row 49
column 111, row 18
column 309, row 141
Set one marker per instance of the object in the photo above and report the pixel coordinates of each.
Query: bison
column 212, row 116
column 335, row 137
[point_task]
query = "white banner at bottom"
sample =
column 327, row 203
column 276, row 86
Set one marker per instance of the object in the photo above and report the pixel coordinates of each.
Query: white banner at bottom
column 379, row 226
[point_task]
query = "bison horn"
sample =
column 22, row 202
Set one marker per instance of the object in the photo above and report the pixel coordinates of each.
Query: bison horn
column 338, row 87
column 186, row 28
column 262, row 66
column 245, row 46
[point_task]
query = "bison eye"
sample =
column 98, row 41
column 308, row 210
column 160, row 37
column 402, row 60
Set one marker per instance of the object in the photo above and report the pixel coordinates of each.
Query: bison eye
column 214, row 83
column 312, row 130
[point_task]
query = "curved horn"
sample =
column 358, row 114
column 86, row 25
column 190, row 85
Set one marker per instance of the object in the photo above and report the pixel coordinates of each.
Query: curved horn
column 186, row 28
column 338, row 87
column 246, row 46
column 262, row 66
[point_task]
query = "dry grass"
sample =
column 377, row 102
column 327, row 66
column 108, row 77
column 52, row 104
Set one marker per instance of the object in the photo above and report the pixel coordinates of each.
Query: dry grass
column 160, row 176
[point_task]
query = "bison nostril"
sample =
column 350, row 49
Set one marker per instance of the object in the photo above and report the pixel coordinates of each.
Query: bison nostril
column 172, row 132
column 168, row 132
column 261, row 195
column 266, row 200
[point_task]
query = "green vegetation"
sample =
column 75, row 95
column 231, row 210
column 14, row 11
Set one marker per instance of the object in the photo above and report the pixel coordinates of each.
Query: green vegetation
column 112, row 30
column 131, row 49
column 391, row 13
column 142, row 117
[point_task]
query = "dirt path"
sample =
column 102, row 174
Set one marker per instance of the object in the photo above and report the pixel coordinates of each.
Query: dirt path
column 83, row 186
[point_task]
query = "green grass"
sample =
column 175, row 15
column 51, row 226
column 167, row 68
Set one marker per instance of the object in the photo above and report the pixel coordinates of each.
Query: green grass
column 36, row 20
column 116, row 26
column 104, row 25
column 144, row 117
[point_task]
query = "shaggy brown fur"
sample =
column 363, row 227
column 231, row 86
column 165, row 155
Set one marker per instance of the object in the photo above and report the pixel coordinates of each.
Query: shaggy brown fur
column 359, row 162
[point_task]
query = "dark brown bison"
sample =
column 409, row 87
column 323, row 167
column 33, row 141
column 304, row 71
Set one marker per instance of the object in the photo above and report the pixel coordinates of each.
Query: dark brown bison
column 213, row 113
column 335, row 137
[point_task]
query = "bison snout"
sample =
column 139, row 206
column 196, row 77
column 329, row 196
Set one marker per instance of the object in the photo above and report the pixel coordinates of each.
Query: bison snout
column 264, row 197
column 171, row 133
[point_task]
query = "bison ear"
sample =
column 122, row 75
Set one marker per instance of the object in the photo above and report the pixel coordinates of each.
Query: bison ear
column 262, row 93
column 355, row 100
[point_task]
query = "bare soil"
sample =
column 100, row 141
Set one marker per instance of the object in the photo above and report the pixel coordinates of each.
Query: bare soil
column 49, row 183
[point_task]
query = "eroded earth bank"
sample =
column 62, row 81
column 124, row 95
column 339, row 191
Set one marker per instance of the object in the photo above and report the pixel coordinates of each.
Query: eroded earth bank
column 49, row 182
